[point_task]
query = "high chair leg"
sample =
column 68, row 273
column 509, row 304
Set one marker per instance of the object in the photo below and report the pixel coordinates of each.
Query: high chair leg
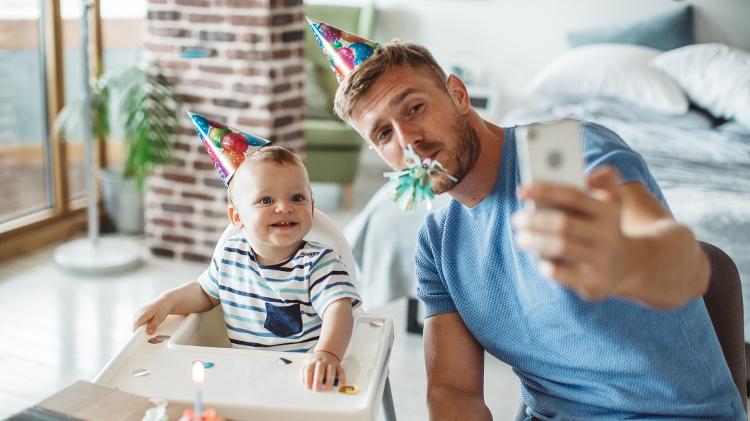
column 389, row 412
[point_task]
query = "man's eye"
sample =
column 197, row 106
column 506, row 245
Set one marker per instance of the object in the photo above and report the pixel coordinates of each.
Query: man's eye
column 415, row 109
column 384, row 135
column 265, row 201
column 298, row 198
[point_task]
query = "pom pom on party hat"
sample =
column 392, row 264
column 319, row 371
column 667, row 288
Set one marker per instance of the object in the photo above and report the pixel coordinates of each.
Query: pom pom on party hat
column 226, row 146
column 344, row 50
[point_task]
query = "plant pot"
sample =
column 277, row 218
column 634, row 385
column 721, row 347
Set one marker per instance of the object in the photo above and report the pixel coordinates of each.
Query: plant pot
column 122, row 201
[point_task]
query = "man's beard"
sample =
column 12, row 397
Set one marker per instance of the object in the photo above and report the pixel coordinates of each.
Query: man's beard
column 464, row 157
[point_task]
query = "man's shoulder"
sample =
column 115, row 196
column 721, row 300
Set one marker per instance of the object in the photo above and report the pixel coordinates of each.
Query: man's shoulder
column 595, row 134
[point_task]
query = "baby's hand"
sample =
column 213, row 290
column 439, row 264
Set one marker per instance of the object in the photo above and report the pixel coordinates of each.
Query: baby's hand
column 152, row 315
column 321, row 369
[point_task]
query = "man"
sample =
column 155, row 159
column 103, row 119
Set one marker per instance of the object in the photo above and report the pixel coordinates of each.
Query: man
column 592, row 297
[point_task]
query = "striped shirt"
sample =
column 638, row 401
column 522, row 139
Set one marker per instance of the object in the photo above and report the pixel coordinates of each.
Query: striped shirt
column 278, row 306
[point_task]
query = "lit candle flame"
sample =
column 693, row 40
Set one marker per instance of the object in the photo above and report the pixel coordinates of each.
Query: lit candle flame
column 198, row 372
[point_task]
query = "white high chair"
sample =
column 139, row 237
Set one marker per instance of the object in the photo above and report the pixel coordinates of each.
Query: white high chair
column 252, row 384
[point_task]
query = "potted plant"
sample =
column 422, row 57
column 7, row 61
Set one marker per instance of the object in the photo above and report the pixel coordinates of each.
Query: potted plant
column 147, row 115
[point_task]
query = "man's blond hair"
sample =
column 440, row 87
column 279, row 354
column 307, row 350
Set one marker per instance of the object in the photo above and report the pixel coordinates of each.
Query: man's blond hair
column 387, row 56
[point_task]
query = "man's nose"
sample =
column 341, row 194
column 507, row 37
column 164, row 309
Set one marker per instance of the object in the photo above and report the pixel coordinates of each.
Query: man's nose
column 408, row 134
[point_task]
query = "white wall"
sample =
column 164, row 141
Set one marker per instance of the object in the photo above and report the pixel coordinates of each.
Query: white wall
column 512, row 39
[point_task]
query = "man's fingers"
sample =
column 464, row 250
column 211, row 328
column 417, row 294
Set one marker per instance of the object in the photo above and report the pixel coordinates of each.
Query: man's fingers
column 549, row 220
column 604, row 184
column 560, row 196
column 552, row 246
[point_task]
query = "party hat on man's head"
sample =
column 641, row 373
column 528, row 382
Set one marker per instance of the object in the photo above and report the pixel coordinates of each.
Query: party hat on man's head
column 226, row 146
column 344, row 50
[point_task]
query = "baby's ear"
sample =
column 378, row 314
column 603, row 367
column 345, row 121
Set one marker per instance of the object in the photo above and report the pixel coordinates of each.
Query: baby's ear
column 234, row 216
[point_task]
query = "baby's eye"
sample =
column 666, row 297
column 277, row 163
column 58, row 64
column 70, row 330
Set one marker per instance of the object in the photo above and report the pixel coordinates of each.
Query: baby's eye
column 298, row 198
column 265, row 201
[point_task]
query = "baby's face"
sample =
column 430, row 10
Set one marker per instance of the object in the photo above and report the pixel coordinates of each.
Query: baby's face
column 273, row 202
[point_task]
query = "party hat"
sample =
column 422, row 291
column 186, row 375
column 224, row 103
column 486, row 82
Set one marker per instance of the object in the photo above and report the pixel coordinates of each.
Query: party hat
column 344, row 50
column 226, row 146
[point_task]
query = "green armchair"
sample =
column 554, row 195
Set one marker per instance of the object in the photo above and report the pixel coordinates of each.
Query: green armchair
column 332, row 148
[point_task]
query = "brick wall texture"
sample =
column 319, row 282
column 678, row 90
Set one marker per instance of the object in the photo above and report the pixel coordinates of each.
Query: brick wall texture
column 252, row 80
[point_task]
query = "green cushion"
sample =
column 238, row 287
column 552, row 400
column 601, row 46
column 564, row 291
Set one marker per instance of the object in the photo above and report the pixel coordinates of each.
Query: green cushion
column 317, row 99
column 331, row 146
column 357, row 20
column 330, row 135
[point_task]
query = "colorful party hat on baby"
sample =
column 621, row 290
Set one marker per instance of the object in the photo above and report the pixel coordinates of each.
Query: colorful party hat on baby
column 226, row 146
column 344, row 50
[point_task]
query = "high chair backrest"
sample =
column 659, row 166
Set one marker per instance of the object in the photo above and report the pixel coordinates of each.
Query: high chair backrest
column 326, row 232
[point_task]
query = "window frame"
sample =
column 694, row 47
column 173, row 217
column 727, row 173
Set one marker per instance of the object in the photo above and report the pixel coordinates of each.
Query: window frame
column 66, row 217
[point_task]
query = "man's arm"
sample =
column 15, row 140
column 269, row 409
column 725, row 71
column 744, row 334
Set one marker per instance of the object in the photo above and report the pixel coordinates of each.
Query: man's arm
column 613, row 240
column 455, row 370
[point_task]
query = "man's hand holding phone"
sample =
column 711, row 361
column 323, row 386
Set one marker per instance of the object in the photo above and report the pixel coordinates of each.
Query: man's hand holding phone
column 576, row 233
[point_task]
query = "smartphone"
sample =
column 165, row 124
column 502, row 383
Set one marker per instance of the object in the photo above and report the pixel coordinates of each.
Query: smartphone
column 551, row 153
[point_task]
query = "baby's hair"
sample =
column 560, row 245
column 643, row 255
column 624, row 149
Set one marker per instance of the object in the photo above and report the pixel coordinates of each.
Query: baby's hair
column 275, row 154
column 271, row 154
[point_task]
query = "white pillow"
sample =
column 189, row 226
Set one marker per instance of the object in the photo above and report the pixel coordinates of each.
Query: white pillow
column 610, row 70
column 715, row 76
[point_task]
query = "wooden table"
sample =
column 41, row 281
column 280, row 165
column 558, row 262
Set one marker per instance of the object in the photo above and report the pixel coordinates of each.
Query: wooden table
column 88, row 401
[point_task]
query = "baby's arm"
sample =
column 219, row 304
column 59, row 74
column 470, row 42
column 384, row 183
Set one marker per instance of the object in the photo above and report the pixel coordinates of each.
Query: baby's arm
column 183, row 300
column 325, row 362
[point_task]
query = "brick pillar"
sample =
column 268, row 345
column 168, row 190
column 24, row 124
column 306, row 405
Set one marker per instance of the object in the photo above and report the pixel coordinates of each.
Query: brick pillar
column 253, row 81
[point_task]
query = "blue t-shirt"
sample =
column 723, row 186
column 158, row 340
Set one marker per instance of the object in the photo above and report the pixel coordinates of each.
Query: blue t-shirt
column 577, row 360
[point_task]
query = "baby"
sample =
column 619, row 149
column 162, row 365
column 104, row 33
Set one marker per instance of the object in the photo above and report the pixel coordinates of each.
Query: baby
column 277, row 290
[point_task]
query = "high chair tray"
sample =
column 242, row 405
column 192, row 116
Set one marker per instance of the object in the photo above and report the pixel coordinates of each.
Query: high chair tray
column 245, row 383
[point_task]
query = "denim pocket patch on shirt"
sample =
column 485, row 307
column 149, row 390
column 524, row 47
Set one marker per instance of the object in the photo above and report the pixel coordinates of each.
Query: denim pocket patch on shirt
column 283, row 320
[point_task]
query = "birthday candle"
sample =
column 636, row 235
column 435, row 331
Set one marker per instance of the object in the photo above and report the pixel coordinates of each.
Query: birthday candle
column 198, row 380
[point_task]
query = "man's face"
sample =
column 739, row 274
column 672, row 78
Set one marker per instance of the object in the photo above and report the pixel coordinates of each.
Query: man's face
column 272, row 202
column 406, row 106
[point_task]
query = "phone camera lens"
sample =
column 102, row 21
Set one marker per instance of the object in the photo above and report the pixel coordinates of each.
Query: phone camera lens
column 554, row 159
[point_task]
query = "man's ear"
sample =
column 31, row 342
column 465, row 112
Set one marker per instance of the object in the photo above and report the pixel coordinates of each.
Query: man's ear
column 234, row 216
column 312, row 211
column 459, row 94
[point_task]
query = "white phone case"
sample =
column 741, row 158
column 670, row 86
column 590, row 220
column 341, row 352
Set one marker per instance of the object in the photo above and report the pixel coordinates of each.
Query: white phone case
column 551, row 153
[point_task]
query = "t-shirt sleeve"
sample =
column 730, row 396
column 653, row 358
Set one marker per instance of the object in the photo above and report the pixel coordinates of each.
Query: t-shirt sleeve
column 431, row 288
column 330, row 281
column 602, row 146
column 209, row 279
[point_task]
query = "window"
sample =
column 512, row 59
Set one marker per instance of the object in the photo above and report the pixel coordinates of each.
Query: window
column 25, row 160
